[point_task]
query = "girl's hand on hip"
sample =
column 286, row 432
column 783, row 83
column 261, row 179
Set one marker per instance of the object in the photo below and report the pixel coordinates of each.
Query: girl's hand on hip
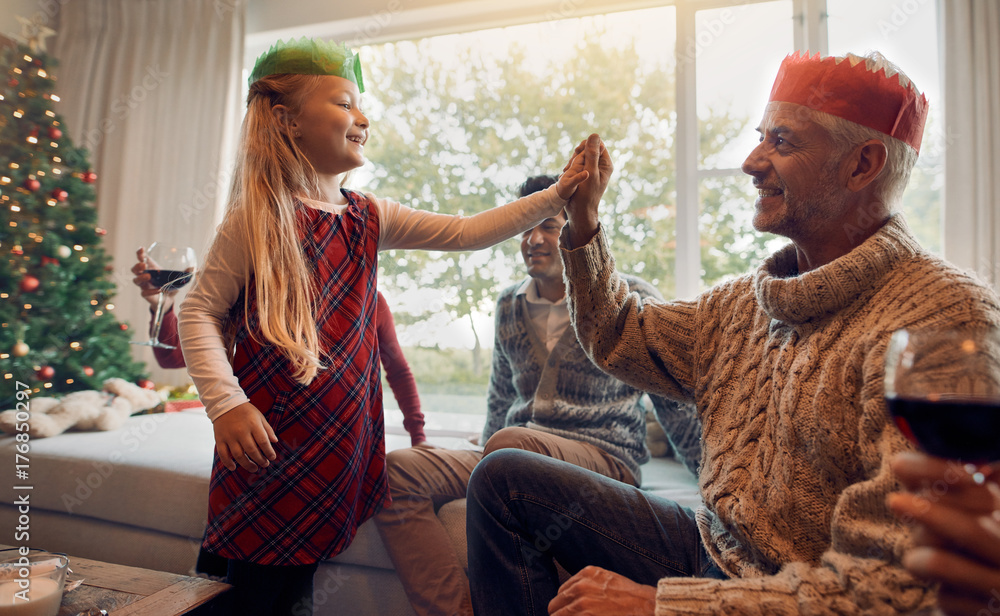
column 243, row 436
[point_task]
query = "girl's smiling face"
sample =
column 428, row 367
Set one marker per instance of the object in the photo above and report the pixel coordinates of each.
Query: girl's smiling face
column 329, row 127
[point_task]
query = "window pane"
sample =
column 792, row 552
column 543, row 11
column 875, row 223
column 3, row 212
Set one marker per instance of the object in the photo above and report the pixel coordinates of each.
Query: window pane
column 459, row 121
column 906, row 33
column 739, row 49
column 729, row 244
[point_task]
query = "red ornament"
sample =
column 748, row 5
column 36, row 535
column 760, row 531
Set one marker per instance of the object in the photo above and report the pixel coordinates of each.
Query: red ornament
column 147, row 384
column 100, row 231
column 45, row 373
column 34, row 132
column 50, row 261
column 59, row 194
column 123, row 326
column 32, row 184
column 54, row 133
column 12, row 82
column 17, row 250
column 29, row 283
column 87, row 370
column 89, row 177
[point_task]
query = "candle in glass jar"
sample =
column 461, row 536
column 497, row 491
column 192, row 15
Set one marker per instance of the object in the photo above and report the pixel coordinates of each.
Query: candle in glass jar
column 44, row 596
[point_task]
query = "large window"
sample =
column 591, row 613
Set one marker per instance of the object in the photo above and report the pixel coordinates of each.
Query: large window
column 459, row 120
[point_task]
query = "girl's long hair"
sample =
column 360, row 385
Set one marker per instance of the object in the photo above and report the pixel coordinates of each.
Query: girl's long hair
column 270, row 171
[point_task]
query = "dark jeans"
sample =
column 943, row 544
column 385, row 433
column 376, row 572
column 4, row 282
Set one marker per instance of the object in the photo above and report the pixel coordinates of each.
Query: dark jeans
column 527, row 511
column 271, row 590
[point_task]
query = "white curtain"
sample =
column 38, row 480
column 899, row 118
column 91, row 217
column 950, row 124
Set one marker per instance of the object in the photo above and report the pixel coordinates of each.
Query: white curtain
column 151, row 88
column 971, row 66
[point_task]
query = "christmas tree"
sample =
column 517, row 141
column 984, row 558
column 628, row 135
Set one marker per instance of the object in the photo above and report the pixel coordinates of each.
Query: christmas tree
column 58, row 331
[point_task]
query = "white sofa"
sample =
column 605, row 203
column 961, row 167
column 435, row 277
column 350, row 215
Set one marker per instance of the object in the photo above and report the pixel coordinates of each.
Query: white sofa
column 138, row 496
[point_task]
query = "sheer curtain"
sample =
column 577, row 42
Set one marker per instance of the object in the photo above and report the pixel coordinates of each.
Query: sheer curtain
column 972, row 155
column 151, row 88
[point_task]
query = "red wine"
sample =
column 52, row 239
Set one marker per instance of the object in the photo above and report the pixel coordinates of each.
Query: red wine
column 956, row 428
column 169, row 280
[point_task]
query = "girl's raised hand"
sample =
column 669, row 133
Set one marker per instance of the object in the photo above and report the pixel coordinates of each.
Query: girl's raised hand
column 574, row 174
column 243, row 436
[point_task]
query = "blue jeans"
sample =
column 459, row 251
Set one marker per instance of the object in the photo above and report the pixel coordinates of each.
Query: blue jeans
column 527, row 511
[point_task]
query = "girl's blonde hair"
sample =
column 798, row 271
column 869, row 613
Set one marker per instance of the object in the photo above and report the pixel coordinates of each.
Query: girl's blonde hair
column 270, row 172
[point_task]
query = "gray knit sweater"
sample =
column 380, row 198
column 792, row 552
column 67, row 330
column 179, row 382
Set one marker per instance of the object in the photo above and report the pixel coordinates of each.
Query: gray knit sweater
column 787, row 372
column 564, row 393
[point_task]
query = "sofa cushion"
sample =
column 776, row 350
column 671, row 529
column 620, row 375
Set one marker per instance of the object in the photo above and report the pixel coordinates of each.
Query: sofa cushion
column 153, row 472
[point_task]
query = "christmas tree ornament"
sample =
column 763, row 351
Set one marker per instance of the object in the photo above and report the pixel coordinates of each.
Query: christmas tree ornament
column 29, row 284
column 147, row 384
column 54, row 133
column 100, row 231
column 64, row 252
column 307, row 56
column 59, row 194
column 34, row 34
column 89, row 177
column 32, row 184
column 20, row 349
column 12, row 82
column 88, row 371
column 123, row 327
column 45, row 373
column 49, row 261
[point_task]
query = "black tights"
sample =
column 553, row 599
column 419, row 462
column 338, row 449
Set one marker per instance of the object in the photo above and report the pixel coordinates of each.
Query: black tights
column 271, row 590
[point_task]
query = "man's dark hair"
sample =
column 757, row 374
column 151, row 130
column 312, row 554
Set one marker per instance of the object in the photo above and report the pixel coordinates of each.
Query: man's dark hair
column 536, row 183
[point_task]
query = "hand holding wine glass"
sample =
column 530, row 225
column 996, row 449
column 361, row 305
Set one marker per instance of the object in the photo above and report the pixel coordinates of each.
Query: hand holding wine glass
column 943, row 389
column 162, row 273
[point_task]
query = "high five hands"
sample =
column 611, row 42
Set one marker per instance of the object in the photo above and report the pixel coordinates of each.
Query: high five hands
column 582, row 211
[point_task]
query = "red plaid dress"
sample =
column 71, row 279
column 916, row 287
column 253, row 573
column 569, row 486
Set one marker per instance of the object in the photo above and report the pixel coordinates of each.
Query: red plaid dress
column 329, row 476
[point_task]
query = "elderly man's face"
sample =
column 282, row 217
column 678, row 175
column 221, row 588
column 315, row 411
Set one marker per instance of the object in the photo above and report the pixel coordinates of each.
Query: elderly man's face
column 795, row 172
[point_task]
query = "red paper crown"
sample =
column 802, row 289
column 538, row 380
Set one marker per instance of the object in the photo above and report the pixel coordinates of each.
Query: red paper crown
column 853, row 93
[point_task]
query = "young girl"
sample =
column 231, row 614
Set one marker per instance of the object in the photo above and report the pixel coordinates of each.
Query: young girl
column 297, row 406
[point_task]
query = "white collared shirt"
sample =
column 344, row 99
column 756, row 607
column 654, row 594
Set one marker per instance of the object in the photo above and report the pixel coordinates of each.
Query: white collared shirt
column 550, row 319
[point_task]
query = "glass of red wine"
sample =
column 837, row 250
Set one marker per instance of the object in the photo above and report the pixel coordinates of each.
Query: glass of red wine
column 942, row 387
column 169, row 268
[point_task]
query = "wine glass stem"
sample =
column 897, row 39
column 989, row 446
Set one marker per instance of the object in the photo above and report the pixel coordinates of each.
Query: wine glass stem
column 158, row 321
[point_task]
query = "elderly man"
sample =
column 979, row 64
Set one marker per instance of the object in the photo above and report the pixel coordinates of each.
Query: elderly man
column 786, row 368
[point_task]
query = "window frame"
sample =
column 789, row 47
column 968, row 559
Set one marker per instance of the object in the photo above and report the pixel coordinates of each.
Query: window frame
column 809, row 30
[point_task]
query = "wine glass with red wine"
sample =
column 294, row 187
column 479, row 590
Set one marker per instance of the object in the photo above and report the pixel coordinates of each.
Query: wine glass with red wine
column 942, row 387
column 169, row 268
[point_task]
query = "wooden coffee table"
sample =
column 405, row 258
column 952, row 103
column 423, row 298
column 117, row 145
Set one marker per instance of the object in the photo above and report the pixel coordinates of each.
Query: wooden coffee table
column 131, row 591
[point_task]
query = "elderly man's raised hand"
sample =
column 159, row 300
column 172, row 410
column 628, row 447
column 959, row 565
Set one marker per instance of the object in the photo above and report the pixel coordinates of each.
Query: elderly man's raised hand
column 584, row 205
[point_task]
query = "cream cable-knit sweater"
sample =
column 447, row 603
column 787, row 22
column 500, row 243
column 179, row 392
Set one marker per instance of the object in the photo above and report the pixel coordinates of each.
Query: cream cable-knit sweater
column 787, row 373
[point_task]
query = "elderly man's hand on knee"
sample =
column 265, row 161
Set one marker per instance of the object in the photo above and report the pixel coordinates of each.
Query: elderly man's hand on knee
column 597, row 592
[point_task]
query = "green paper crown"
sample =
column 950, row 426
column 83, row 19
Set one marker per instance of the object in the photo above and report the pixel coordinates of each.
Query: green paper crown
column 309, row 57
